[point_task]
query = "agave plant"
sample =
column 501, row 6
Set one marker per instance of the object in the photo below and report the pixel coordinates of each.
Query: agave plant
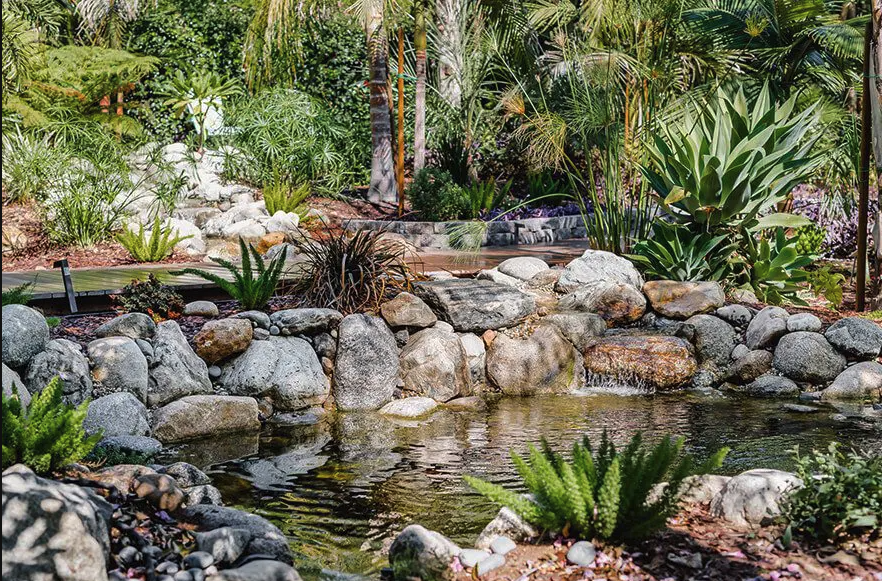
column 676, row 253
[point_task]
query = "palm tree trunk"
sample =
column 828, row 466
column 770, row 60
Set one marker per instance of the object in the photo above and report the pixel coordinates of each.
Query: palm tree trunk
column 449, row 50
column 382, row 187
column 419, row 125
column 400, row 122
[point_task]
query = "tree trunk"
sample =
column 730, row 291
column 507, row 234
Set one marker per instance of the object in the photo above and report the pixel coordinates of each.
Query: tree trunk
column 419, row 125
column 400, row 122
column 448, row 13
column 382, row 187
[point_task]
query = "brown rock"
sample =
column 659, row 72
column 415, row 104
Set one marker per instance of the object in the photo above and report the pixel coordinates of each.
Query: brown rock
column 659, row 361
column 14, row 240
column 218, row 340
column 407, row 310
column 472, row 403
column 545, row 362
column 121, row 476
column 750, row 367
column 681, row 300
column 618, row 303
column 488, row 337
column 267, row 241
column 160, row 490
column 202, row 416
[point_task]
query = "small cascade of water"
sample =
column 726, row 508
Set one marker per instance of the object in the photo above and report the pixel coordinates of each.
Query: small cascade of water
column 608, row 385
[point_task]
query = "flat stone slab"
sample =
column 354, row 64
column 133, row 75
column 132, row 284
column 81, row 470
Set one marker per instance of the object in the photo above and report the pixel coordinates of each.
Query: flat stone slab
column 476, row 305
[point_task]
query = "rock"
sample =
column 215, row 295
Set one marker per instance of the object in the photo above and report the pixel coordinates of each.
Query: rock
column 804, row 322
column 285, row 369
column 598, row 265
column 476, row 305
column 160, row 490
column 618, row 303
column 147, row 349
column 214, row 372
column 493, row 275
column 582, row 554
column 735, row 315
column 306, row 321
column 658, row 361
column 198, row 416
column 702, row 488
column 284, row 222
column 766, row 328
column 198, row 560
column 772, row 386
column 266, row 538
column 14, row 240
column 224, row 544
column 192, row 246
column 140, row 445
column 131, row 325
column 249, row 230
column 506, row 523
column 799, row 408
column 545, row 279
column 186, row 475
column 681, row 300
column 471, row 557
column 270, row 240
column 51, row 530
column 545, row 362
column 578, row 328
column 121, row 477
column 490, row 563
column 420, row 553
column 407, row 310
column 325, row 345
column 476, row 356
column 409, row 407
column 861, row 380
column 257, row 318
column 502, row 545
column 11, row 379
column 752, row 496
column 856, row 337
column 202, row 494
column 714, row 339
column 807, row 357
column 25, row 333
column 522, row 267
column 740, row 350
column 119, row 365
column 117, row 414
column 444, row 326
column 366, row 368
column 434, row 364
column 750, row 366
column 176, row 371
column 201, row 309
column 219, row 340
column 260, row 570
column 64, row 359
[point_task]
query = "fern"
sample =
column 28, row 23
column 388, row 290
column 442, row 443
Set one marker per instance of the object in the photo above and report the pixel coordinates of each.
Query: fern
column 157, row 246
column 252, row 286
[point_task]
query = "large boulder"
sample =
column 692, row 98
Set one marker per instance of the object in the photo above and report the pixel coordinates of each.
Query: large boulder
column 131, row 325
column 752, row 365
column 200, row 416
column 578, row 328
column 750, row 497
column 366, row 368
column 407, row 310
column 598, row 265
column 714, row 339
column 618, row 303
column 117, row 414
column 53, row 531
column 807, row 357
column 766, row 327
column 418, row 553
column 266, row 538
column 861, row 380
column 118, row 365
column 681, row 300
column 434, row 364
column 545, row 362
column 219, row 340
column 856, row 337
column 25, row 333
column 476, row 305
column 656, row 361
column 285, row 369
column 772, row 386
column 305, row 321
column 259, row 570
column 11, row 379
column 64, row 359
column 476, row 355
column 176, row 370
column 522, row 267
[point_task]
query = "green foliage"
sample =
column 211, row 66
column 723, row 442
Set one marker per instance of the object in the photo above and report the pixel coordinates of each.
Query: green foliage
column 352, row 272
column 484, row 197
column 48, row 434
column 30, row 166
column 194, row 94
column 676, row 253
column 827, row 284
column 90, row 209
column 772, row 268
column 106, row 457
column 153, row 247
column 603, row 494
column 150, row 297
column 281, row 196
column 252, row 286
column 810, row 239
column 19, row 295
column 841, row 496
column 53, row 322
column 435, row 196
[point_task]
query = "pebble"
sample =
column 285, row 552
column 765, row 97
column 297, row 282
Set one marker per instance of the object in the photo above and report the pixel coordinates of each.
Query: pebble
column 166, row 578
column 582, row 554
column 214, row 372
column 128, row 556
column 502, row 545
column 471, row 557
column 810, row 396
column 183, row 576
column 274, row 330
column 168, row 567
column 197, row 574
column 259, row 334
column 492, row 562
column 800, row 409
column 198, row 560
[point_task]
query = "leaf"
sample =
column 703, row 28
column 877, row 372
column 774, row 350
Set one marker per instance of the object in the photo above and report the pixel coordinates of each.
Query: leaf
column 781, row 220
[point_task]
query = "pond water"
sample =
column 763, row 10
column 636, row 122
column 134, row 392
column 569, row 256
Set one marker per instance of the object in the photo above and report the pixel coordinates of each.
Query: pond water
column 343, row 487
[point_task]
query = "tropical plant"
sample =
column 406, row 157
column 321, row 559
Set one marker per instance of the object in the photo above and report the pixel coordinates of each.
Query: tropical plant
column 827, row 284
column 105, row 21
column 841, row 495
column 46, row 435
column 252, row 286
column 280, row 196
column 196, row 94
column 604, row 494
column 810, row 239
column 771, row 268
column 89, row 211
column 435, row 197
column 152, row 247
column 150, row 297
column 484, row 197
column 675, row 253
column 30, row 166
column 21, row 49
column 352, row 272
column 19, row 295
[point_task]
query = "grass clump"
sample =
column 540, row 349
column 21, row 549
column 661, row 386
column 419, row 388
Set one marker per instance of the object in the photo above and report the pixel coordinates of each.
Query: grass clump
column 19, row 295
column 281, row 196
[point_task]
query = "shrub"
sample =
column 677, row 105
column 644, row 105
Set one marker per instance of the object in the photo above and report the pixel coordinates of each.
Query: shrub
column 280, row 196
column 772, row 268
column 252, row 286
column 675, row 253
column 603, row 494
column 30, row 166
column 352, row 272
column 841, row 496
column 89, row 211
column 153, row 248
column 827, row 284
column 150, row 297
column 484, row 197
column 435, row 196
column 48, row 434
column 19, row 295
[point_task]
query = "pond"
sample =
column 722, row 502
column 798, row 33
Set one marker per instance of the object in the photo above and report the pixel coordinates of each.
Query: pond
column 343, row 487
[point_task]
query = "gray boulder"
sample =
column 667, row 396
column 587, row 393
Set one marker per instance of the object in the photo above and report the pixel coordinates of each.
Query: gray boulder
column 259, row 570
column 861, row 380
column 203, row 494
column 201, row 309
column 407, row 310
column 25, row 333
column 366, row 368
column 305, row 321
column 681, row 300
column 493, row 275
column 616, row 302
column 752, row 496
column 766, row 328
column 186, row 475
column 598, row 265
column 545, row 362
column 176, row 370
column 506, row 524
column 285, row 369
column 434, row 364
column 225, row 544
column 420, row 553
column 856, row 337
column 266, row 538
column 804, row 322
column 735, row 315
column 131, row 325
column 64, row 359
column 714, row 339
column 203, row 416
column 53, row 531
column 749, row 367
column 578, row 328
column 522, row 267
column 117, row 414
column 409, row 407
column 807, row 357
column 476, row 305
column 118, row 365
column 9, row 379
column 257, row 318
column 476, row 355
column 772, row 386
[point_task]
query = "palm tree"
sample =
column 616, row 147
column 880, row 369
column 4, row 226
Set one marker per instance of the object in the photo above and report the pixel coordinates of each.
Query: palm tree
column 106, row 20
column 419, row 125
